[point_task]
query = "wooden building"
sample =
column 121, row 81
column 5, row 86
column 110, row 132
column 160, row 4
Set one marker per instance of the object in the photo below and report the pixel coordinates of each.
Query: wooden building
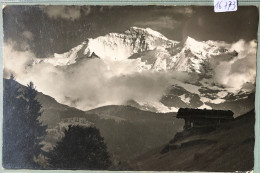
column 204, row 117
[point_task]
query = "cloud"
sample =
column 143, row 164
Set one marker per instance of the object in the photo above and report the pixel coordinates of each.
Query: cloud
column 164, row 22
column 96, row 85
column 15, row 62
column 240, row 70
column 90, row 83
column 65, row 12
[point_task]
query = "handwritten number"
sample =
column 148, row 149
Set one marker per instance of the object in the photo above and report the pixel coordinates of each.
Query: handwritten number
column 228, row 5
column 234, row 5
column 220, row 4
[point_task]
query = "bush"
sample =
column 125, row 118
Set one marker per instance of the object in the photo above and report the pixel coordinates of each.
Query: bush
column 80, row 148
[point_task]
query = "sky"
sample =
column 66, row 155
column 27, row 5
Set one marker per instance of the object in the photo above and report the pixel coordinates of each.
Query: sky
column 46, row 30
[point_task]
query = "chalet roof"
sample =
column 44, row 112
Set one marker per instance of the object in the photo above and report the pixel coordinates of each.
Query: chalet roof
column 204, row 113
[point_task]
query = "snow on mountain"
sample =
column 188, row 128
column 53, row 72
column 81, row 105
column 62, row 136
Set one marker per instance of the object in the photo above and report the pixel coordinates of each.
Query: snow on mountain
column 195, row 56
column 198, row 96
column 114, row 46
column 152, row 51
column 153, row 106
column 66, row 58
column 192, row 56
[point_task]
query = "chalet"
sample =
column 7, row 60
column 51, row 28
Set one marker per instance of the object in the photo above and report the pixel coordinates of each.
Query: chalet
column 204, row 117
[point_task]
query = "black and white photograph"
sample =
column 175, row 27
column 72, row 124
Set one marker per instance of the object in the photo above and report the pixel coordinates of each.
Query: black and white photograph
column 129, row 88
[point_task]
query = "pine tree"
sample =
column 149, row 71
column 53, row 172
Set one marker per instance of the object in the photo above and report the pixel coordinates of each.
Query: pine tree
column 22, row 130
column 35, row 131
column 13, row 109
column 80, row 148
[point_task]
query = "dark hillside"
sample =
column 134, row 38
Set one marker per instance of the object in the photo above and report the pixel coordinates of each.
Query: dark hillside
column 229, row 148
column 128, row 131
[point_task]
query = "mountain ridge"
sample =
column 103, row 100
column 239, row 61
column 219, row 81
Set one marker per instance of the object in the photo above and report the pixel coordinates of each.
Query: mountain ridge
column 168, row 54
column 147, row 51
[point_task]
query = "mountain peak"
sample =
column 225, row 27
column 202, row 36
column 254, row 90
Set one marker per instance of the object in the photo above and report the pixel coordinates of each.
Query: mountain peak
column 146, row 31
column 199, row 47
column 191, row 41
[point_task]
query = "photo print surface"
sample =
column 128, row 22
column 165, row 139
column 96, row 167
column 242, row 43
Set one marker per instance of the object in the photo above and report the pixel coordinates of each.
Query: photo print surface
column 129, row 88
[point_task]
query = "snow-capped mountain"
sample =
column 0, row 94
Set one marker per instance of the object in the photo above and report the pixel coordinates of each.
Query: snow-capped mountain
column 153, row 52
column 114, row 46
column 195, row 55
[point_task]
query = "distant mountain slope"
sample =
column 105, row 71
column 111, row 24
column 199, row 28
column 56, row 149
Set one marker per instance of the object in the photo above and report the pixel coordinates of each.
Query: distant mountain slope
column 229, row 148
column 129, row 113
column 133, row 131
column 128, row 131
column 197, row 96
column 51, row 109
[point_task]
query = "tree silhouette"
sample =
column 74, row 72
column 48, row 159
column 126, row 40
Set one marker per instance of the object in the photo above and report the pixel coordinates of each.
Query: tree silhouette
column 80, row 148
column 35, row 131
column 13, row 106
column 22, row 131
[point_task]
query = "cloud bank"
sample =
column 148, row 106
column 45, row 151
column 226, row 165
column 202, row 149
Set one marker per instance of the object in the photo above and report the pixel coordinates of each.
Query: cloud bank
column 240, row 70
column 93, row 82
column 90, row 83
